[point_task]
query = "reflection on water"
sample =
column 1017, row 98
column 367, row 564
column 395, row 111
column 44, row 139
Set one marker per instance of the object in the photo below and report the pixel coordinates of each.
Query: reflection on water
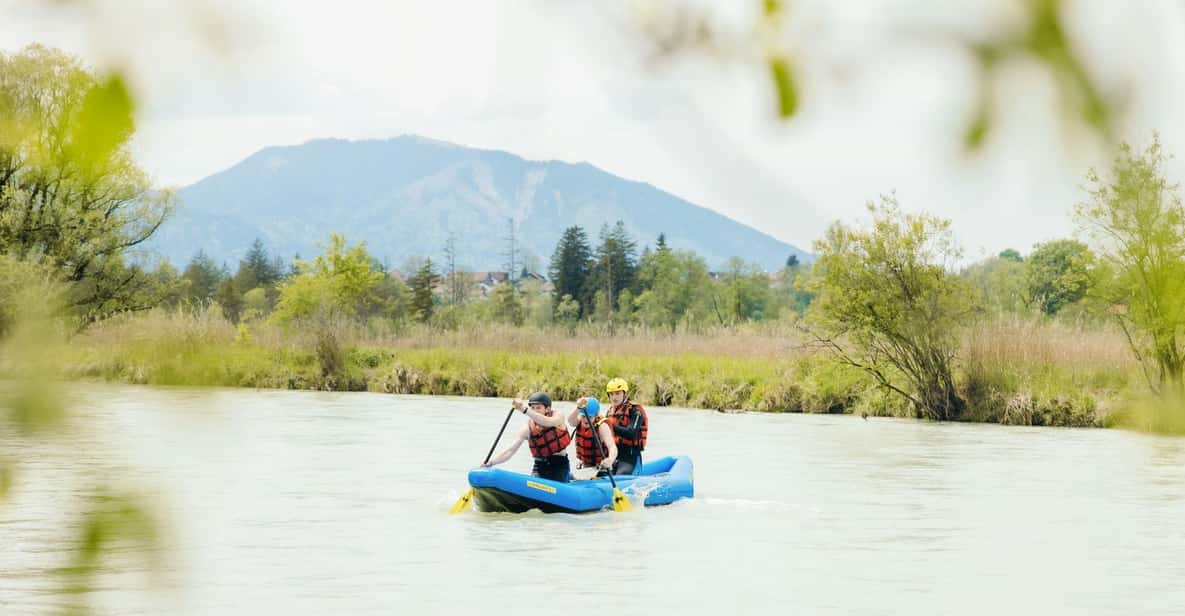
column 308, row 503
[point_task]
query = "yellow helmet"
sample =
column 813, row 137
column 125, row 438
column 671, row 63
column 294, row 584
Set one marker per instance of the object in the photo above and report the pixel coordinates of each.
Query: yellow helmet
column 617, row 385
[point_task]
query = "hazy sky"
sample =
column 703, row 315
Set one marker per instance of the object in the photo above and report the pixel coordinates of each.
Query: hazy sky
column 882, row 111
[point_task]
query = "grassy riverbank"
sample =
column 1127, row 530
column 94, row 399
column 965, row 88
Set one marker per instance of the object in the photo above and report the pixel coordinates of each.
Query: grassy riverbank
column 1012, row 372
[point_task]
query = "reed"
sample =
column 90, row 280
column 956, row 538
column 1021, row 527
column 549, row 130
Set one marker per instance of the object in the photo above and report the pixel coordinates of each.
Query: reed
column 1011, row 370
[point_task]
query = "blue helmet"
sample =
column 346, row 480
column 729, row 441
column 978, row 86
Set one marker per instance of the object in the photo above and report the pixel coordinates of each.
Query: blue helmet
column 591, row 407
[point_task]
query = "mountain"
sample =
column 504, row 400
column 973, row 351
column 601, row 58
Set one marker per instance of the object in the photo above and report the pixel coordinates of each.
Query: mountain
column 403, row 196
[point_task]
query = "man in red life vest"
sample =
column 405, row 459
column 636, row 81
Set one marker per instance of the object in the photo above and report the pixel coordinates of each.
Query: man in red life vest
column 546, row 437
column 630, row 427
column 588, row 454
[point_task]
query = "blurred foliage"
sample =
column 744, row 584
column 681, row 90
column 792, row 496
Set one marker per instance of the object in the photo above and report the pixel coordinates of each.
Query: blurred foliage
column 34, row 324
column 31, row 309
column 1160, row 414
column 112, row 522
column 1041, row 36
column 72, row 207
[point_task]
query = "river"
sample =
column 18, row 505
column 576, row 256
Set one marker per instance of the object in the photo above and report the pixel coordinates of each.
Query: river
column 336, row 503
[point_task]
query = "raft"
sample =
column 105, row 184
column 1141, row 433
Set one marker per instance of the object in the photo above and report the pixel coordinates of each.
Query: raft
column 660, row 482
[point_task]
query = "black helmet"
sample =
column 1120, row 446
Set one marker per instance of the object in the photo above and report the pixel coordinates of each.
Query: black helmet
column 540, row 398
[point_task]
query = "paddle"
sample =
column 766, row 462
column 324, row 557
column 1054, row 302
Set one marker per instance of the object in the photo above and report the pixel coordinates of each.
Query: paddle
column 463, row 503
column 620, row 502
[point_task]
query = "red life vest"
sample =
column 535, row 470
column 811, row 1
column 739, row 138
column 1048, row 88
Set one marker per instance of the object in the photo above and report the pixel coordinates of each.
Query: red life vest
column 621, row 416
column 547, row 441
column 586, row 447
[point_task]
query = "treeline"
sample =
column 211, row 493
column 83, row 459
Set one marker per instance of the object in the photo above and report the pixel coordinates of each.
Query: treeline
column 660, row 288
column 613, row 283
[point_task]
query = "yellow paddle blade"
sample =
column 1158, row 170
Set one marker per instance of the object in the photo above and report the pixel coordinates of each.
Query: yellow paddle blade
column 620, row 502
column 463, row 502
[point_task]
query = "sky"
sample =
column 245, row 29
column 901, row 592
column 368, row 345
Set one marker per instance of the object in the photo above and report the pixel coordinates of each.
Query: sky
column 885, row 96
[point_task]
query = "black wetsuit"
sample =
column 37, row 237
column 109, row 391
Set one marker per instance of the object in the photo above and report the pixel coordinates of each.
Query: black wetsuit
column 555, row 468
column 629, row 457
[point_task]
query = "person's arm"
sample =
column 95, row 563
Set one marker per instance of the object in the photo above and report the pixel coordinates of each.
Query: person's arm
column 505, row 454
column 575, row 417
column 610, row 444
column 633, row 429
column 554, row 421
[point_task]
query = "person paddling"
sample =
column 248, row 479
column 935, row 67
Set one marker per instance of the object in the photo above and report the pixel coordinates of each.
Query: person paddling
column 630, row 427
column 546, row 437
column 587, row 453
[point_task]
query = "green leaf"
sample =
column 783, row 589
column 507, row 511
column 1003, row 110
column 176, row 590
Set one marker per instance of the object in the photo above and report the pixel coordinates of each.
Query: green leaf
column 783, row 77
column 103, row 124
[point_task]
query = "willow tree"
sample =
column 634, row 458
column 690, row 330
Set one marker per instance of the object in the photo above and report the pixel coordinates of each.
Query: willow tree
column 1137, row 218
column 70, row 194
column 887, row 303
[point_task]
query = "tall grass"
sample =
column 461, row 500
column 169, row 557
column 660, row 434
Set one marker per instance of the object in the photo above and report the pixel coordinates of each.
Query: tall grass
column 1012, row 370
column 1034, row 342
column 1046, row 372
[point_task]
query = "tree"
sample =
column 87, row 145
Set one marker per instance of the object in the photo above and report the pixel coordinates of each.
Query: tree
column 255, row 304
column 1057, row 274
column 570, row 267
column 507, row 305
column 202, row 277
column 390, row 299
column 454, row 280
column 257, row 269
column 567, row 313
column 745, row 291
column 538, row 308
column 614, row 265
column 792, row 261
column 339, row 283
column 421, row 285
column 674, row 287
column 69, row 191
column 999, row 284
column 1138, row 220
column 886, row 304
column 512, row 255
column 230, row 299
column 168, row 285
column 1011, row 254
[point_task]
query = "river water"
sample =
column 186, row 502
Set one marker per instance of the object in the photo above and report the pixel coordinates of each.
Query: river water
column 319, row 503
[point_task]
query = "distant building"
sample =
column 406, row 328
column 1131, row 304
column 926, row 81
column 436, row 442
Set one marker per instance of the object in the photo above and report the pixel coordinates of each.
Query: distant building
column 482, row 282
column 486, row 281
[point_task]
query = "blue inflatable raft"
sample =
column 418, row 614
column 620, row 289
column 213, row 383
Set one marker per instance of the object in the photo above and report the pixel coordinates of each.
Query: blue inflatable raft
column 660, row 482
